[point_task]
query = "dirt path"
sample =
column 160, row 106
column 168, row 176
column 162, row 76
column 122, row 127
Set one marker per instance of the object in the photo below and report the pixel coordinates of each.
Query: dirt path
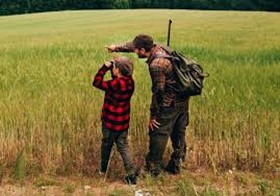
column 30, row 190
column 190, row 183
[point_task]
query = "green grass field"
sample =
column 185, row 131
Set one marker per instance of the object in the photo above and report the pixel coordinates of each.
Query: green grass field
column 50, row 114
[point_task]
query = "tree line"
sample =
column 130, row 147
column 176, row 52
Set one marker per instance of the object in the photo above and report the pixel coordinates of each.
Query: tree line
column 8, row 7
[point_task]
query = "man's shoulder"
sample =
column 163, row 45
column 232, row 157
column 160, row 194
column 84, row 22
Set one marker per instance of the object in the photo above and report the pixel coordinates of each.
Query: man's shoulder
column 159, row 57
column 160, row 60
column 160, row 52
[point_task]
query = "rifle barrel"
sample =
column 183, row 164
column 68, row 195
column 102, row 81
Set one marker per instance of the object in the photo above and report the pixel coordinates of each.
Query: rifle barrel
column 168, row 34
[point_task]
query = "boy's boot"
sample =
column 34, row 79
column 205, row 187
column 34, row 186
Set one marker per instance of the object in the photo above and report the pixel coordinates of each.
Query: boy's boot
column 131, row 179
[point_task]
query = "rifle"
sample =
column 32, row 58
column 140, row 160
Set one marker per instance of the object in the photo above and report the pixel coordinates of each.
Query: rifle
column 169, row 29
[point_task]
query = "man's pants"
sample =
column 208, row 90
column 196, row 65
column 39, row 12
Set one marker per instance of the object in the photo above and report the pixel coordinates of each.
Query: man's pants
column 173, row 122
column 108, row 140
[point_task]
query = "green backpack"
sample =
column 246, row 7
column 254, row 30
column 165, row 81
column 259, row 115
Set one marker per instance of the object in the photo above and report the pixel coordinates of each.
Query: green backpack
column 190, row 74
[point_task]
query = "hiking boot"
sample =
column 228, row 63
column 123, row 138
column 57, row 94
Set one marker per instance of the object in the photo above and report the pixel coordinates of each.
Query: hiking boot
column 155, row 172
column 131, row 179
column 173, row 167
column 101, row 173
column 153, row 168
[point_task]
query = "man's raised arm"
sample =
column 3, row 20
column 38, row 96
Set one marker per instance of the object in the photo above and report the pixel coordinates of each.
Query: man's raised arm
column 127, row 47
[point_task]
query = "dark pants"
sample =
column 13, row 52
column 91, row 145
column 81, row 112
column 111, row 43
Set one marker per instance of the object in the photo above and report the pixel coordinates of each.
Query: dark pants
column 108, row 140
column 173, row 122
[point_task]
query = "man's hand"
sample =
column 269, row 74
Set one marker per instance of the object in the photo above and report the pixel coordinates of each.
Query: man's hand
column 153, row 124
column 111, row 48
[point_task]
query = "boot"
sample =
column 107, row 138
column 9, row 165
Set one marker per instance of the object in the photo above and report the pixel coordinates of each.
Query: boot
column 173, row 167
column 131, row 179
column 153, row 168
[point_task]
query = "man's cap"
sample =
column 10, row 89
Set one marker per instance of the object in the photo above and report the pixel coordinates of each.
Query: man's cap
column 125, row 65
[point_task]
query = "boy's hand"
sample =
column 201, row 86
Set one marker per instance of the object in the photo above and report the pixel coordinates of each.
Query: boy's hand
column 109, row 64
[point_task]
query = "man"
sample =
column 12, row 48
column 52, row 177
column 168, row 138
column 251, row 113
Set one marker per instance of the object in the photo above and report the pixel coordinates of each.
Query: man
column 169, row 108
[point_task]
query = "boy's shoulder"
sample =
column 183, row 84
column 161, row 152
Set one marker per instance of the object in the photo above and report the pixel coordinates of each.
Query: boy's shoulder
column 125, row 80
column 128, row 78
column 125, row 83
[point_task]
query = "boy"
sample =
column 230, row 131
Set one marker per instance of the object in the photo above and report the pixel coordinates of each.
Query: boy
column 116, row 112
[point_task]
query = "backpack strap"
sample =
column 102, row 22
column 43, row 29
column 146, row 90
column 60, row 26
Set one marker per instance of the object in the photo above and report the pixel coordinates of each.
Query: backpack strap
column 167, row 56
column 166, row 48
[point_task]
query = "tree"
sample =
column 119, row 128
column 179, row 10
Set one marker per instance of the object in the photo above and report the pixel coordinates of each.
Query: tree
column 141, row 4
column 121, row 4
column 30, row 6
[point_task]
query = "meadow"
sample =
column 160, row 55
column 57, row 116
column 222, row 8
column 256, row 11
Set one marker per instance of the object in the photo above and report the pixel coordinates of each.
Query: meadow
column 50, row 113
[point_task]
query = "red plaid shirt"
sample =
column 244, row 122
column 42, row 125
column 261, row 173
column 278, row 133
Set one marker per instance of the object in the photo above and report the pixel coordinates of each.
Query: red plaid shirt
column 116, row 106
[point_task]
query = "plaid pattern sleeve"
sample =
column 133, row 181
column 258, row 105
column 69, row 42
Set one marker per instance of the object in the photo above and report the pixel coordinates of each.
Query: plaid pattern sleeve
column 157, row 70
column 116, row 106
column 127, row 47
column 99, row 82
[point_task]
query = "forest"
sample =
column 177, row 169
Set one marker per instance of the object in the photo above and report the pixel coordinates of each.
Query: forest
column 9, row 7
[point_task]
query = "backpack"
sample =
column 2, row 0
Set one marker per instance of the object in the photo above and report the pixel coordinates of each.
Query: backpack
column 190, row 74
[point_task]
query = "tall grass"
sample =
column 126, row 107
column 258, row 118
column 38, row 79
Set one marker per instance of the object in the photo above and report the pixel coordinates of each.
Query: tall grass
column 50, row 114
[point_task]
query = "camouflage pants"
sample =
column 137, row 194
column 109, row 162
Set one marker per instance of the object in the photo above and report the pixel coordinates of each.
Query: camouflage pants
column 173, row 122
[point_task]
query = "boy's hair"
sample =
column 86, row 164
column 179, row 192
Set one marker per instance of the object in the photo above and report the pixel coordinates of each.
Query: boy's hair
column 143, row 41
column 125, row 65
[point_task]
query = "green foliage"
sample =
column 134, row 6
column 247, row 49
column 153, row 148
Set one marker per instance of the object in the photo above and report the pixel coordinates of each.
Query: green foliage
column 45, row 181
column 264, row 187
column 20, row 167
column 211, row 191
column 69, row 188
column 118, row 192
column 121, row 4
column 184, row 187
column 29, row 6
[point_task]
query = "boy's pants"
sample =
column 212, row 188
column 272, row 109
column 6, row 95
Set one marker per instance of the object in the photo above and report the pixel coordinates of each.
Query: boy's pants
column 108, row 140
